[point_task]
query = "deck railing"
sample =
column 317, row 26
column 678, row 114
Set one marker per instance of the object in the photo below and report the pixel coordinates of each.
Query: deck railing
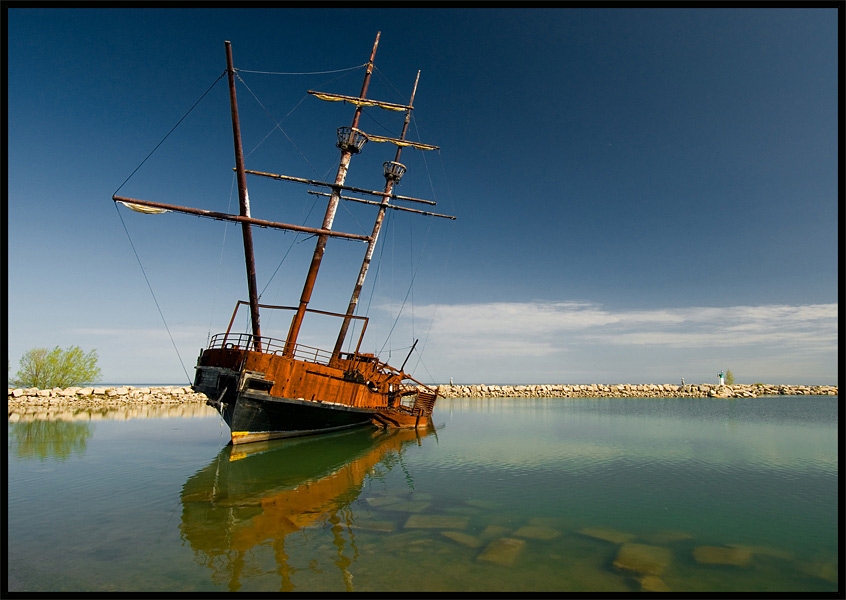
column 269, row 345
column 246, row 341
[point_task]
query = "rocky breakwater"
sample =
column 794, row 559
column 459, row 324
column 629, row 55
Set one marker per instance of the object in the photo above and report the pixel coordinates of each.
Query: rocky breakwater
column 97, row 397
column 632, row 391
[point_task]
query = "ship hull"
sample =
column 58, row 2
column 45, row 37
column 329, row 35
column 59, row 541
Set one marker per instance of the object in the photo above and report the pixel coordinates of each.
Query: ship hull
column 253, row 418
column 266, row 396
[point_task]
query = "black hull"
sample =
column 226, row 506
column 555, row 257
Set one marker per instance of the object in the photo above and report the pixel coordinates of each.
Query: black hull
column 255, row 417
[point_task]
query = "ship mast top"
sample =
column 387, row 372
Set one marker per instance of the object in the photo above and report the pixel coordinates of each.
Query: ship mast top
column 350, row 141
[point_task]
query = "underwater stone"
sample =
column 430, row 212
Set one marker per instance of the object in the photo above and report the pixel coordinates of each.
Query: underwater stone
column 827, row 571
column 403, row 539
column 412, row 507
column 436, row 522
column 386, row 526
column 382, row 500
column 537, row 533
column 716, row 555
column 651, row 583
column 608, row 535
column 463, row 538
column 503, row 551
column 648, row 560
column 765, row 551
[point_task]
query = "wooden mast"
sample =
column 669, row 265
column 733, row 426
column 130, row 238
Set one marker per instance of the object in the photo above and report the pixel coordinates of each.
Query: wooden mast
column 244, row 201
column 346, row 154
column 371, row 244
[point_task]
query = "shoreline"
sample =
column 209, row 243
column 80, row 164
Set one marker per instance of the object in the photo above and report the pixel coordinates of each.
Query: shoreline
column 647, row 390
column 117, row 396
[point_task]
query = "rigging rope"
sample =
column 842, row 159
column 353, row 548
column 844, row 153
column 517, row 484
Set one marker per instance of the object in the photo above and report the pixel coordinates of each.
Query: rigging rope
column 168, row 133
column 150, row 287
column 451, row 237
column 309, row 73
column 276, row 125
column 220, row 262
column 408, row 292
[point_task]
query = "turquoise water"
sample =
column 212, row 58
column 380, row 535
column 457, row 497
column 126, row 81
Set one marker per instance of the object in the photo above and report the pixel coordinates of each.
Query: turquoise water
column 506, row 495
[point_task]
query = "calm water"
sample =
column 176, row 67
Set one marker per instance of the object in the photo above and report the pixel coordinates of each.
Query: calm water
column 506, row 495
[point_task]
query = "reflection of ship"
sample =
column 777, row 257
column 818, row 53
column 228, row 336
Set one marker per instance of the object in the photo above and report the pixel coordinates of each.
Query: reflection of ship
column 265, row 387
column 257, row 494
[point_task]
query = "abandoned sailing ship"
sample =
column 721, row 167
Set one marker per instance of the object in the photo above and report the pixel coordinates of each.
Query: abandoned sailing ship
column 266, row 388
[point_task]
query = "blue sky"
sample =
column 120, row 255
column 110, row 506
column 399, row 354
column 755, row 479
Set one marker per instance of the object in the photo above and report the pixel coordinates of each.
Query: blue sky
column 642, row 194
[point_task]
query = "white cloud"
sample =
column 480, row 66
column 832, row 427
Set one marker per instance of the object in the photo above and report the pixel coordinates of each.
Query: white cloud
column 674, row 327
column 498, row 339
column 550, row 342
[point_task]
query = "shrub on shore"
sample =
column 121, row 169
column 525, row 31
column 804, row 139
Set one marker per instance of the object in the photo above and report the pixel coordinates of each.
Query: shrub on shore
column 43, row 368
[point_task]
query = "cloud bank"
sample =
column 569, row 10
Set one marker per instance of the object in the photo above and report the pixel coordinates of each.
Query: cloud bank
column 502, row 342
column 550, row 342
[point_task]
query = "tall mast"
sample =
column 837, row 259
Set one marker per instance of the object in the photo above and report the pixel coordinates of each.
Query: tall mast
column 393, row 172
column 349, row 142
column 244, row 201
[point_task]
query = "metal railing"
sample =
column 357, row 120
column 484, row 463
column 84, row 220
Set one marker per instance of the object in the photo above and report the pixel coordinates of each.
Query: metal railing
column 258, row 342
column 246, row 341
column 269, row 345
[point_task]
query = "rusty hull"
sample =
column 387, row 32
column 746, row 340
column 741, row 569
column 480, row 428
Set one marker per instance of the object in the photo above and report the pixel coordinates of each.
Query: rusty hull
column 359, row 387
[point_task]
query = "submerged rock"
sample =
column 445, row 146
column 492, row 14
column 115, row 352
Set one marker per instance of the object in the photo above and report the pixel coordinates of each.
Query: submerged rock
column 386, row 526
column 765, row 551
column 401, row 540
column 826, row 571
column 492, row 532
column 412, row 507
column 503, row 551
column 651, row 583
column 718, row 555
column 537, row 533
column 463, row 538
column 640, row 558
column 382, row 500
column 436, row 522
column 608, row 535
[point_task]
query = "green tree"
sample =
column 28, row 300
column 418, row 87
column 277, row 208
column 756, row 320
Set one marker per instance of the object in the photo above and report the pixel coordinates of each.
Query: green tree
column 43, row 368
column 729, row 377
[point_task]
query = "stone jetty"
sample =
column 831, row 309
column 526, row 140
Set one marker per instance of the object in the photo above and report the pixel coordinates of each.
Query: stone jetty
column 633, row 391
column 91, row 397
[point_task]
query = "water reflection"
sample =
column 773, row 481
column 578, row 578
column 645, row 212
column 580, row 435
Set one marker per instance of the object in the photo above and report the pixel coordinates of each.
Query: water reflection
column 31, row 413
column 587, row 434
column 256, row 495
column 48, row 439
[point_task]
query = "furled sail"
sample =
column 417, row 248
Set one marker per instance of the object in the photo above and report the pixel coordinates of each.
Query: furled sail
column 147, row 210
column 358, row 101
column 402, row 143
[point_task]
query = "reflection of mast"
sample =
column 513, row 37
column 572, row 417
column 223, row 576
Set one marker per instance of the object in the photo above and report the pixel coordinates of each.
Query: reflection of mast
column 284, row 570
column 342, row 562
column 234, row 507
column 237, row 566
